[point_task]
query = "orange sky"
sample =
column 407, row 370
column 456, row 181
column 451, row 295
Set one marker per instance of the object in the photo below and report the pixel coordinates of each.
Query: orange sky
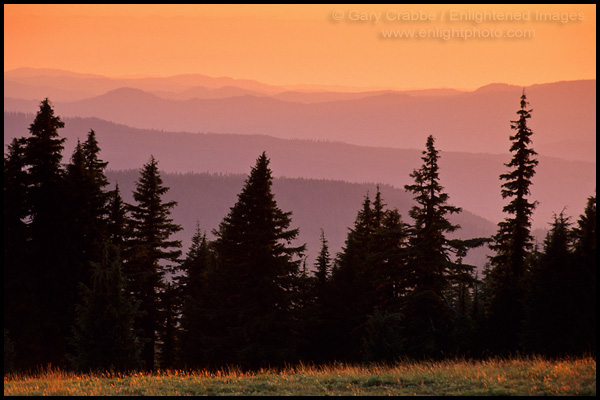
column 310, row 44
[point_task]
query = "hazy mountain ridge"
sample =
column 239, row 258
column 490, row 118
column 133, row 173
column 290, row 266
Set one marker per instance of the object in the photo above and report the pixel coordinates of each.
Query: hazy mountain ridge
column 470, row 179
column 477, row 121
column 102, row 84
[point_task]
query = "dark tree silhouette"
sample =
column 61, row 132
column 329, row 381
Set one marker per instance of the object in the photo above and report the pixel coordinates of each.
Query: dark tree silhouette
column 552, row 295
column 52, row 308
column 86, row 202
column 18, row 293
column 257, row 276
column 367, row 273
column 149, row 245
column 323, row 264
column 586, row 264
column 195, row 296
column 317, row 338
column 513, row 242
column 431, row 308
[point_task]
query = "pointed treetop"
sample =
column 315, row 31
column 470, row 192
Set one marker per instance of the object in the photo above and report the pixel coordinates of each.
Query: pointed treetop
column 45, row 121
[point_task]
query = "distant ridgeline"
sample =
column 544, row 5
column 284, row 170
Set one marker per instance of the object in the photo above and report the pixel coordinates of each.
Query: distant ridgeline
column 470, row 179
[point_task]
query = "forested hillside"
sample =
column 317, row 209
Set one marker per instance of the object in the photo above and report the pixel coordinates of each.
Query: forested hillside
column 315, row 203
column 471, row 179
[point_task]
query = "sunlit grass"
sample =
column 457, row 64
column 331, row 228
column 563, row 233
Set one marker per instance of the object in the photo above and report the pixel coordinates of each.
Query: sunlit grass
column 517, row 376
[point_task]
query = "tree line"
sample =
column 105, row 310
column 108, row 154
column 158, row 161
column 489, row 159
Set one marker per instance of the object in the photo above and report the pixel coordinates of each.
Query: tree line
column 93, row 283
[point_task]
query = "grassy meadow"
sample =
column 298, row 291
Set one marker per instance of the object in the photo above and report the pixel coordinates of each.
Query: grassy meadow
column 524, row 376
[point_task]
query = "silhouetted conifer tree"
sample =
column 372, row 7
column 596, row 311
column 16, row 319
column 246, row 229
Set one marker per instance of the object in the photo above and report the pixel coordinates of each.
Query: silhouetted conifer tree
column 586, row 265
column 57, row 217
column 18, row 289
column 257, row 276
column 550, row 319
column 513, row 242
column 350, row 307
column 367, row 274
column 317, row 338
column 86, row 202
column 149, row 245
column 430, row 306
column 48, row 269
column 323, row 264
column 196, row 300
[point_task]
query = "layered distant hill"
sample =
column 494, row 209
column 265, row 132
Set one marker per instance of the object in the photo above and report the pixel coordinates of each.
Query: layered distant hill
column 315, row 204
column 470, row 179
column 563, row 118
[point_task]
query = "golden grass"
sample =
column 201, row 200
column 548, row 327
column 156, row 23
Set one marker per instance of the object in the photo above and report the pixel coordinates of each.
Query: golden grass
column 516, row 376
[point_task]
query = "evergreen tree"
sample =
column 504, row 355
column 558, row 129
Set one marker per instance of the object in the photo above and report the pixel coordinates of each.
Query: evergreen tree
column 86, row 201
column 431, row 314
column 18, row 294
column 513, row 242
column 194, row 291
column 323, row 266
column 52, row 290
column 44, row 153
column 387, row 258
column 149, row 246
column 85, row 217
column 95, row 166
column 104, row 335
column 257, row 276
column 97, row 197
column 318, row 331
column 56, row 223
column 586, row 264
column 350, row 307
column 550, row 323
column 368, row 274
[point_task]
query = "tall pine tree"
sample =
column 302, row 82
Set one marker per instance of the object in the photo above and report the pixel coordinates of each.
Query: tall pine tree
column 151, row 251
column 433, row 268
column 86, row 200
column 18, row 285
column 367, row 275
column 53, row 307
column 586, row 267
column 195, row 296
column 550, row 323
column 257, row 276
column 323, row 267
column 318, row 331
column 513, row 241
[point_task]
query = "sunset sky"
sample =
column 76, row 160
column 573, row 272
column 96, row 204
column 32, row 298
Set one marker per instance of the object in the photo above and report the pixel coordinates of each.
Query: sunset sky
column 311, row 44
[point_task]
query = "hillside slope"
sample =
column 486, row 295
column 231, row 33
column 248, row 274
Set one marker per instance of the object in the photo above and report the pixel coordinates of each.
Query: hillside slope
column 470, row 179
